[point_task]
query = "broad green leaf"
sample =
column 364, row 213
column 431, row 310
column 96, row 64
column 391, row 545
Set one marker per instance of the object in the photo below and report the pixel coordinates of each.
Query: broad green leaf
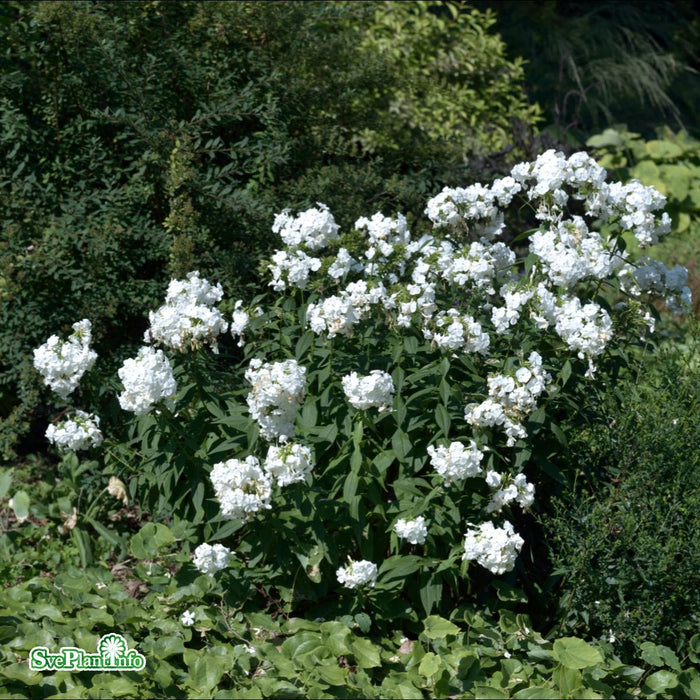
column 567, row 679
column 20, row 505
column 659, row 655
column 660, row 681
column 149, row 539
column 537, row 693
column 366, row 654
column 437, row 627
column 572, row 652
column 430, row 664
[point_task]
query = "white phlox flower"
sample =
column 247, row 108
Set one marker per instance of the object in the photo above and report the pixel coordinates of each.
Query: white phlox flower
column 456, row 461
column 239, row 322
column 511, row 398
column 494, row 548
column 147, row 378
column 313, row 228
column 276, row 396
column 288, row 464
column 357, row 574
column 516, row 489
column 242, row 488
column 63, row 363
column 188, row 319
column 292, row 267
column 211, row 558
column 376, row 390
column 79, row 432
column 450, row 330
column 414, row 531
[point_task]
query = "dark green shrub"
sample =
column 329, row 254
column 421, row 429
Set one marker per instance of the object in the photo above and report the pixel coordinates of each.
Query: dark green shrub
column 142, row 140
column 626, row 538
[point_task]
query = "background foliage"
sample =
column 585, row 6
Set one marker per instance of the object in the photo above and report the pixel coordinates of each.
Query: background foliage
column 142, row 140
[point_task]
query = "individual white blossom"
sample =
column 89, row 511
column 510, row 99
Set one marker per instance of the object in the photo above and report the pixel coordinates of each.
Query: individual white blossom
column 63, row 363
column 414, row 531
column 358, row 574
column 376, row 390
column 242, row 488
column 289, row 463
column 187, row 618
column 211, row 558
column 147, row 378
column 79, row 432
column 494, row 548
column 313, row 228
column 276, row 396
column 456, row 461
column 188, row 319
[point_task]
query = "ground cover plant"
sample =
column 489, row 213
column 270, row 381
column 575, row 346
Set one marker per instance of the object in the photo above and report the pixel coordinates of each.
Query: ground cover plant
column 339, row 503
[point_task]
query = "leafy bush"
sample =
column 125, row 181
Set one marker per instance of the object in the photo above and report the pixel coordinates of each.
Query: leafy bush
column 626, row 540
column 142, row 140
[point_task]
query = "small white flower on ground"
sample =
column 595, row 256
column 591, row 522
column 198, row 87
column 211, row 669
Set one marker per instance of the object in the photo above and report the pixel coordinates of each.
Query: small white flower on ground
column 358, row 573
column 187, row 618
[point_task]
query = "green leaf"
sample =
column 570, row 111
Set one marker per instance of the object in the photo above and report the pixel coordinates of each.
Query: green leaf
column 567, row 679
column 663, row 149
column 659, row 655
column 430, row 664
column 442, row 417
column 5, row 481
column 660, row 681
column 20, row 505
column 437, row 627
column 572, row 652
column 537, row 693
column 149, row 539
column 333, row 674
column 366, row 654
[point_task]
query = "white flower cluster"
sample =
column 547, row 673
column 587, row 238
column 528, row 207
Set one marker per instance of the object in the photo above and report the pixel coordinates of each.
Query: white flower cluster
column 211, row 558
column 456, row 462
column 188, row 319
column 147, row 378
column 278, row 390
column 242, row 487
column 503, row 317
column 63, row 363
column 376, row 390
column 289, row 464
column 414, row 531
column 80, row 432
column 358, row 573
column 454, row 331
column 337, row 315
column 475, row 207
column 292, row 267
column 313, row 228
column 384, row 234
column 494, row 548
column 569, row 253
column 511, row 399
column 516, row 489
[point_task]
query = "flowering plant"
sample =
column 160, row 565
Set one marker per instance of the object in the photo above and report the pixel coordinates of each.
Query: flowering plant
column 394, row 401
